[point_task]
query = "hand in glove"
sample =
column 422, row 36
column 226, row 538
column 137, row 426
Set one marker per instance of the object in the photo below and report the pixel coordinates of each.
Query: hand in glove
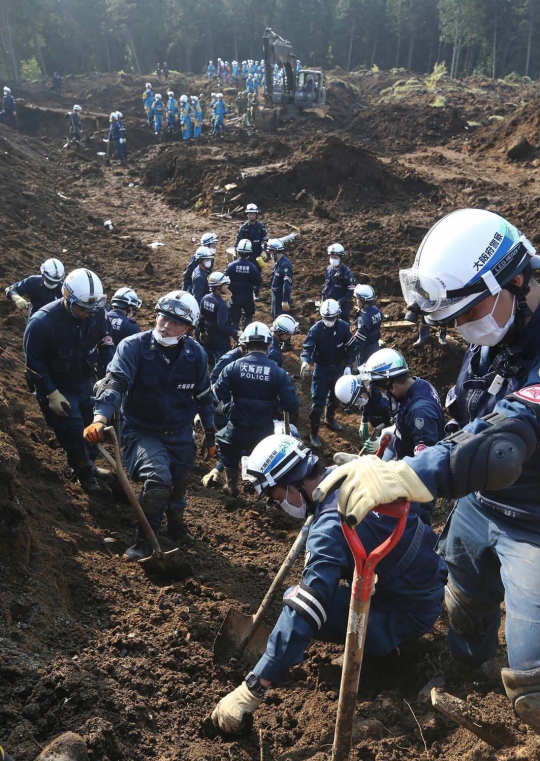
column 230, row 713
column 372, row 445
column 367, row 482
column 58, row 403
column 304, row 370
column 364, row 432
column 209, row 443
column 94, row 433
column 285, row 306
column 211, row 479
column 19, row 302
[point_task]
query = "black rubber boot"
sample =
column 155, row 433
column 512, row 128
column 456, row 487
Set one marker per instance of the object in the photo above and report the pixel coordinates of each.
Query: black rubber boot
column 331, row 422
column 315, row 415
column 231, row 487
column 89, row 483
column 423, row 336
column 140, row 550
column 176, row 527
column 442, row 337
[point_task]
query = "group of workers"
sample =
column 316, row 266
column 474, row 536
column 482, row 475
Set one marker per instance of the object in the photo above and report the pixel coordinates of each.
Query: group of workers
column 182, row 114
column 473, row 270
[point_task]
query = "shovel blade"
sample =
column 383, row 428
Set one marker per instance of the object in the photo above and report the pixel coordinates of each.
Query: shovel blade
column 236, row 638
column 171, row 564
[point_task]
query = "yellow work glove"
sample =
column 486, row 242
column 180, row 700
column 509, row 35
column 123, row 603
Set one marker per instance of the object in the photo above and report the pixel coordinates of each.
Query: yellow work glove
column 228, row 715
column 58, row 403
column 19, row 302
column 261, row 262
column 369, row 482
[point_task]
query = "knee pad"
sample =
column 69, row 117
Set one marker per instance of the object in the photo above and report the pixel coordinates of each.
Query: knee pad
column 467, row 617
column 523, row 689
column 155, row 497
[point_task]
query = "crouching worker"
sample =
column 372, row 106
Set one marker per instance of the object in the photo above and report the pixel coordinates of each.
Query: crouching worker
column 161, row 378
column 408, row 597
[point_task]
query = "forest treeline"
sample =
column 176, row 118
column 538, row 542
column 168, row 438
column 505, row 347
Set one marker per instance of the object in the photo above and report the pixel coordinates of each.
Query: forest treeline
column 492, row 37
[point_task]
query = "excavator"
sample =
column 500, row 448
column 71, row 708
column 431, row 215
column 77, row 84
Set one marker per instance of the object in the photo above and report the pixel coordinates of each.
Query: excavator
column 302, row 88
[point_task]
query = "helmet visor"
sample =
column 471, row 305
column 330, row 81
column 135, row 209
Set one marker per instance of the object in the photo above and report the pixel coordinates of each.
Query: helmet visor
column 90, row 302
column 427, row 292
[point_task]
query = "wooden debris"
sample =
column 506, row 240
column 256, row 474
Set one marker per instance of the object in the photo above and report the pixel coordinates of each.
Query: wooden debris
column 468, row 717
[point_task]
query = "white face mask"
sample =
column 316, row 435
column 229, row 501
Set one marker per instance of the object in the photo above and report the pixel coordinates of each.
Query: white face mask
column 486, row 331
column 165, row 340
column 293, row 510
column 47, row 284
column 329, row 323
column 335, row 261
column 207, row 263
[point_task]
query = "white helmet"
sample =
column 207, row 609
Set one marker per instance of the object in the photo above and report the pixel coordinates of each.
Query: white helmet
column 119, row 115
column 220, row 95
column 256, row 332
column 158, row 96
column 252, row 208
column 7, row 91
column 53, row 271
column 203, row 252
column 213, row 94
column 336, row 249
column 179, row 305
column 276, row 245
column 183, row 99
column 83, row 288
column 77, row 108
column 148, row 86
column 278, row 459
column 126, row 297
column 209, row 239
column 244, row 247
column 170, row 94
column 364, row 292
column 465, row 257
column 384, row 364
column 330, row 309
column 348, row 388
column 285, row 324
column 113, row 117
column 217, row 279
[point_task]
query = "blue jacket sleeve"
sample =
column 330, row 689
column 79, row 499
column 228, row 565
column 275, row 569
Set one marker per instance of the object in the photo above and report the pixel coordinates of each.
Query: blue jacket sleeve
column 287, row 394
column 239, row 235
column 25, row 287
column 429, row 433
column 377, row 404
column 222, row 387
column 223, row 321
column 199, row 287
column 287, row 282
column 36, row 351
column 308, row 348
column 123, row 368
column 222, row 362
column 351, row 347
column 203, row 393
column 257, row 279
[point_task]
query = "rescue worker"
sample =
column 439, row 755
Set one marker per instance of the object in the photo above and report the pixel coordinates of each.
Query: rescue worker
column 213, row 101
column 221, row 109
column 211, row 70
column 281, row 278
column 122, row 140
column 172, row 112
column 208, row 240
column 185, row 117
column 57, row 83
column 197, row 117
column 368, row 322
column 66, row 343
column 253, row 108
column 8, row 114
column 256, row 232
column 158, row 109
column 246, row 281
column 38, row 289
column 283, row 329
column 199, row 281
column 329, row 346
column 241, row 103
column 115, row 136
column 339, row 281
column 409, row 590
column 424, row 331
column 75, row 130
column 161, row 378
column 165, row 70
column 255, row 386
column 121, row 322
column 414, row 404
column 474, row 269
column 148, row 100
column 215, row 323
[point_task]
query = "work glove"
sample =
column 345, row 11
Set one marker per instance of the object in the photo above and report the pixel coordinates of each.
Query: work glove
column 19, row 302
column 304, row 370
column 58, row 403
column 372, row 445
column 94, row 433
column 219, row 408
column 230, row 713
column 347, row 371
column 211, row 479
column 285, row 306
column 209, row 443
column 367, row 482
column 363, row 431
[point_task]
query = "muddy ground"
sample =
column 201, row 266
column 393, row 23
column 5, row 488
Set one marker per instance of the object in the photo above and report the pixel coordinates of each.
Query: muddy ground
column 90, row 644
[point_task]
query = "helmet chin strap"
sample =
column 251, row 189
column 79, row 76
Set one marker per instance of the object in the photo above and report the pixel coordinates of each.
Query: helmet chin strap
column 523, row 311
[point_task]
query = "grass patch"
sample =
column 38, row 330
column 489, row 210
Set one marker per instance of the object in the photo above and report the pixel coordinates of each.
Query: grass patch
column 439, row 102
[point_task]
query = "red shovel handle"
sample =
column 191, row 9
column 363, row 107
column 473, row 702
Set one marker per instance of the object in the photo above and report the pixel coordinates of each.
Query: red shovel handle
column 365, row 565
column 386, row 439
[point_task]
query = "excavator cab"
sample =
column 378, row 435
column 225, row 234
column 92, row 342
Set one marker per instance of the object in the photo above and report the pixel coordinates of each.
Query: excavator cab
column 310, row 89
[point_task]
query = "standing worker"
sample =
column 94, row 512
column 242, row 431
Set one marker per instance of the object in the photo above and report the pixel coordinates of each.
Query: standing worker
column 172, row 112
column 66, row 343
column 256, row 232
column 158, row 109
column 281, row 279
column 368, row 322
column 121, row 323
column 161, row 378
column 185, row 118
column 339, row 281
column 197, row 117
column 246, row 281
column 408, row 595
column 208, row 240
column 283, row 329
column 256, row 386
column 330, row 347
column 215, row 324
column 39, row 289
column 148, row 100
column 75, row 130
column 199, row 282
column 8, row 115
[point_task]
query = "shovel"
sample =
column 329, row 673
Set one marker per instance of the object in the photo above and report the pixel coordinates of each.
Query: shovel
column 361, row 591
column 246, row 635
column 171, row 563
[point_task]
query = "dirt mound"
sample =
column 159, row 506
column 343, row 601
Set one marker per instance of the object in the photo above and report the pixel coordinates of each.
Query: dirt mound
column 499, row 137
column 343, row 100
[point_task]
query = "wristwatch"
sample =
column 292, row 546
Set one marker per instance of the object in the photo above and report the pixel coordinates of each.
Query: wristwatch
column 255, row 687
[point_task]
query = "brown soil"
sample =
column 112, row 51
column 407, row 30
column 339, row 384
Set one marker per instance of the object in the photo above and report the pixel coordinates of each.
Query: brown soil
column 92, row 645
